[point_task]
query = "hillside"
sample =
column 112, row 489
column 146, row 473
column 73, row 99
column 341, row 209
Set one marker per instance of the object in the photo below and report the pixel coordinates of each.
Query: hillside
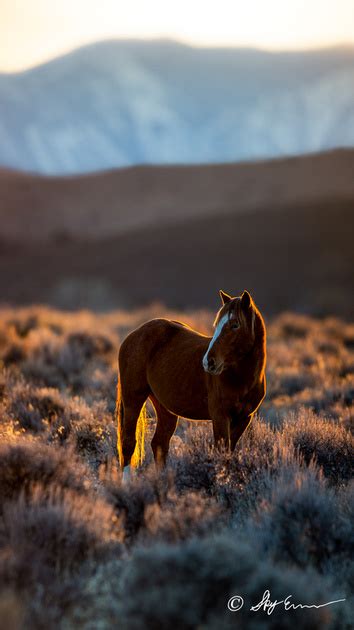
column 120, row 103
column 298, row 258
column 105, row 204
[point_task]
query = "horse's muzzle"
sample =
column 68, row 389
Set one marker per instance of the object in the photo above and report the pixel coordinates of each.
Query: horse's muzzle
column 211, row 367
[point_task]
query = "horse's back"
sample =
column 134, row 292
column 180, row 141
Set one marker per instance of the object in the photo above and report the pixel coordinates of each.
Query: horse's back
column 149, row 331
column 142, row 341
column 159, row 338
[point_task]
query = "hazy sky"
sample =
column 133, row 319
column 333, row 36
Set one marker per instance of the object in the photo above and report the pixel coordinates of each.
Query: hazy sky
column 32, row 31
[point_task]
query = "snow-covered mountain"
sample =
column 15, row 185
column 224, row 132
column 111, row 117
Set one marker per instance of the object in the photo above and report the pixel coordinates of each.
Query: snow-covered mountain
column 127, row 102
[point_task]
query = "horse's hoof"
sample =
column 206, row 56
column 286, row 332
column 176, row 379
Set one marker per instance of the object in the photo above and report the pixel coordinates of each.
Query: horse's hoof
column 126, row 475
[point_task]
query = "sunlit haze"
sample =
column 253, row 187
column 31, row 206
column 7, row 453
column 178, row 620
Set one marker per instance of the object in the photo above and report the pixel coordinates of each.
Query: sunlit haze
column 33, row 31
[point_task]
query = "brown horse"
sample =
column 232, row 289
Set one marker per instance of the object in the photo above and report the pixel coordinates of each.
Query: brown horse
column 185, row 373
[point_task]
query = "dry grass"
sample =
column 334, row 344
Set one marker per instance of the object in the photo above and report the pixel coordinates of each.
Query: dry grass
column 80, row 550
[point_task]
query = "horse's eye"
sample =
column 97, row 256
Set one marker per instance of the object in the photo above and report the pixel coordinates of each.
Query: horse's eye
column 234, row 326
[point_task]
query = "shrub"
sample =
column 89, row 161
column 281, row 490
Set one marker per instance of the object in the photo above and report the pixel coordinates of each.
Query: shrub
column 188, row 586
column 331, row 444
column 152, row 508
column 79, row 549
column 235, row 480
column 195, row 466
column 58, row 530
column 65, row 361
column 290, row 382
column 13, row 355
column 32, row 409
column 90, row 344
column 89, row 429
column 52, row 362
column 131, row 499
column 96, row 443
column 244, row 477
column 23, row 463
column 23, row 326
column 302, row 522
column 182, row 516
column 46, row 541
column 297, row 327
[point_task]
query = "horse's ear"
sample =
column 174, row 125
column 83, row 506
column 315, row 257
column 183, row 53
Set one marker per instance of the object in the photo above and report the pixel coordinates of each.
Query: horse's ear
column 225, row 297
column 246, row 300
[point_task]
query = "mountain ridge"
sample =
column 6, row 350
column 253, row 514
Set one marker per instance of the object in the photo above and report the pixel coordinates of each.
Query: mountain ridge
column 339, row 49
column 124, row 103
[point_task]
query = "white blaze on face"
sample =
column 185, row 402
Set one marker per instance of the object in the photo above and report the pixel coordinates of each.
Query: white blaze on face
column 217, row 333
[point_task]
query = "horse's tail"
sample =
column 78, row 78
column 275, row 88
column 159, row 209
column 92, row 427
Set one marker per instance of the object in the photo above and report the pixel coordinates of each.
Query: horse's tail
column 139, row 451
column 120, row 420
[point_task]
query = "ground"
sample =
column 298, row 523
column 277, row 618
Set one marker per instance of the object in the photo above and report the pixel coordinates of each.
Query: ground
column 78, row 549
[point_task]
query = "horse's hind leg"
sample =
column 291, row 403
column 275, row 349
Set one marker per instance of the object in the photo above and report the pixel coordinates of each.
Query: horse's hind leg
column 130, row 411
column 165, row 428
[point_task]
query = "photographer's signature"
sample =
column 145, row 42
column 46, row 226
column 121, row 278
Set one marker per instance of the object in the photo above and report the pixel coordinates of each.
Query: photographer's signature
column 236, row 602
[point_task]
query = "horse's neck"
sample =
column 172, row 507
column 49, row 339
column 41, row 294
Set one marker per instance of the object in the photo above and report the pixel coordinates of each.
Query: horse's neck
column 252, row 364
column 260, row 343
column 250, row 368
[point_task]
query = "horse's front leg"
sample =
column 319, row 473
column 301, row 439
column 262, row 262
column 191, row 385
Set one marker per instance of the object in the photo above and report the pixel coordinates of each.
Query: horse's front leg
column 239, row 423
column 221, row 430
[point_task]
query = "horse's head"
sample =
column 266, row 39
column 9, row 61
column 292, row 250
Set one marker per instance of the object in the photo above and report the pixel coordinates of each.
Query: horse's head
column 234, row 334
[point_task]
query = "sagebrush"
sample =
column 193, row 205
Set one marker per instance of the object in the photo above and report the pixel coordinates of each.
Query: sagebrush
column 78, row 549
